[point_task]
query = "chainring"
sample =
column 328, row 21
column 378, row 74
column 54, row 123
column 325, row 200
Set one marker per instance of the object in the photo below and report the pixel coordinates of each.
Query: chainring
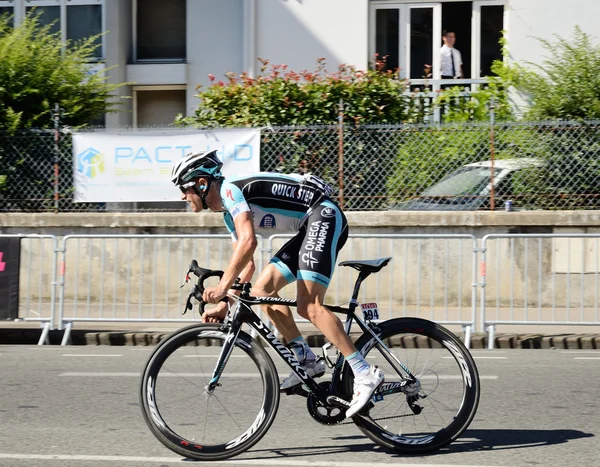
column 324, row 414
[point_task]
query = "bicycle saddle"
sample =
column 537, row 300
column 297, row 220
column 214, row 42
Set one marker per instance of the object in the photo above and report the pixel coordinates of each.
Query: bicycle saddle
column 367, row 265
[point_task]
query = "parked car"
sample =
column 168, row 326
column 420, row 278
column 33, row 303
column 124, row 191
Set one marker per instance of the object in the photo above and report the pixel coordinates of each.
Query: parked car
column 469, row 188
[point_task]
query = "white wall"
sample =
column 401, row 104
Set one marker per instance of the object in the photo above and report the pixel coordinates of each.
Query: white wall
column 530, row 19
column 118, row 48
column 215, row 31
column 297, row 32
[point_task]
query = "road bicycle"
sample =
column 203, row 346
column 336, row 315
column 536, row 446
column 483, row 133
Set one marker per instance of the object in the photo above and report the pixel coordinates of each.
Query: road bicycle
column 211, row 391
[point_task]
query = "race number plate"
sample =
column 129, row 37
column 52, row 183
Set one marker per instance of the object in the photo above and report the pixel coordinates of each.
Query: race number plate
column 370, row 311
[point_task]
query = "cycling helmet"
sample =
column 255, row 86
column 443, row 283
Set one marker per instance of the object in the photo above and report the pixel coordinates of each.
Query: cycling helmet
column 194, row 166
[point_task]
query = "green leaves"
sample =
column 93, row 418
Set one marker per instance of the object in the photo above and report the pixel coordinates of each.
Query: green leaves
column 281, row 97
column 566, row 84
column 38, row 70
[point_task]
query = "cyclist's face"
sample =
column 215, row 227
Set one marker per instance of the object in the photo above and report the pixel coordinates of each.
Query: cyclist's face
column 190, row 196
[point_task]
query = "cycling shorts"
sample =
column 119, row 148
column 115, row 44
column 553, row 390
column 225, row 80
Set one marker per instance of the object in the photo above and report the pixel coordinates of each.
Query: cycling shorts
column 311, row 254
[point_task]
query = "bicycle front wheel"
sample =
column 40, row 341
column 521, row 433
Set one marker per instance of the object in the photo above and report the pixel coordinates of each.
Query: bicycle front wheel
column 204, row 426
column 433, row 410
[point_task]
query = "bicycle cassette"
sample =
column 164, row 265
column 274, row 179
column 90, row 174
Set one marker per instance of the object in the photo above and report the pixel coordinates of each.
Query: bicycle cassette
column 324, row 414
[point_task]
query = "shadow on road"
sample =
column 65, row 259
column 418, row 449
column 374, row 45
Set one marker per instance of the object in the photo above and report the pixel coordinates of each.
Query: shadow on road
column 472, row 440
column 477, row 440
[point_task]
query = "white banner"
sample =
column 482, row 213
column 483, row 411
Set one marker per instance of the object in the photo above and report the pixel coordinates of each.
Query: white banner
column 123, row 167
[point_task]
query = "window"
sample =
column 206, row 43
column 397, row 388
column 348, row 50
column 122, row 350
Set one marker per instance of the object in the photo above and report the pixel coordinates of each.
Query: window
column 48, row 12
column 457, row 17
column 405, row 33
column 160, row 30
column 76, row 20
column 84, row 21
column 387, row 36
column 421, row 41
column 158, row 105
column 7, row 8
column 492, row 20
column 410, row 34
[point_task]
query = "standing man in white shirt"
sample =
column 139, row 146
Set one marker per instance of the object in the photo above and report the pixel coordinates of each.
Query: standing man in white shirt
column 451, row 59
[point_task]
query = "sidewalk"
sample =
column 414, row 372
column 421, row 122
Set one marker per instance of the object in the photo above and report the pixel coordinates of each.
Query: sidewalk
column 149, row 334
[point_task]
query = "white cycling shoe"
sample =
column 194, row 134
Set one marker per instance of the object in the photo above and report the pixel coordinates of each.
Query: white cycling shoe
column 363, row 390
column 314, row 368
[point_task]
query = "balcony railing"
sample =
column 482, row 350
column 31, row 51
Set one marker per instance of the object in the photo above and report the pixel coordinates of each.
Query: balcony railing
column 426, row 92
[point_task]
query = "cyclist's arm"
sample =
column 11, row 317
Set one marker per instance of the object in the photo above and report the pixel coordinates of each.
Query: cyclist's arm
column 248, row 271
column 243, row 253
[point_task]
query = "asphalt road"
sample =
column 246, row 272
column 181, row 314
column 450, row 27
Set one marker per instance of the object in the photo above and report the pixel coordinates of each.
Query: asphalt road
column 78, row 406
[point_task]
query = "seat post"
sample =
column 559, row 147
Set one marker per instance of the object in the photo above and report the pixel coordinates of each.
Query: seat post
column 361, row 277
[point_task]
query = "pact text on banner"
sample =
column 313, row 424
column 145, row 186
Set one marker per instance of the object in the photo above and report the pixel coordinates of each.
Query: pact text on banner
column 127, row 167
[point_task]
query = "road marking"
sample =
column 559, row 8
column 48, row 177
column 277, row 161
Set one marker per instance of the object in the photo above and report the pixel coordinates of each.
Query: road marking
column 90, row 355
column 214, row 356
column 237, row 375
column 275, row 462
column 166, row 375
column 476, row 357
column 587, row 358
column 53, row 347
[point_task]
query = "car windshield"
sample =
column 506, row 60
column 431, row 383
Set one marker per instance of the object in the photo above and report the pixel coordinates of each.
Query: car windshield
column 466, row 181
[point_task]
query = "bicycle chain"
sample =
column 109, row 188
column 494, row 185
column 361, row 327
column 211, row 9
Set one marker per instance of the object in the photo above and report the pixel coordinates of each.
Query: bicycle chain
column 381, row 418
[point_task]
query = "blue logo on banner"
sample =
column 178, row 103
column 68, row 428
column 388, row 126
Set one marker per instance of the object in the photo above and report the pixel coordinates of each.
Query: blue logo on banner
column 90, row 163
column 268, row 221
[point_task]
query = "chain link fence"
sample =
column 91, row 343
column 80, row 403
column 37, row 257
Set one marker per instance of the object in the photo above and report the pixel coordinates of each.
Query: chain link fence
column 407, row 167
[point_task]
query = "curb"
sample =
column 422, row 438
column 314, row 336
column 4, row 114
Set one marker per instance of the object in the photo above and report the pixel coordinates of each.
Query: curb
column 28, row 336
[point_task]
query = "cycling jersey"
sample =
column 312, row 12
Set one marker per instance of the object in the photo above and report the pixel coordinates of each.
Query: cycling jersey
column 296, row 203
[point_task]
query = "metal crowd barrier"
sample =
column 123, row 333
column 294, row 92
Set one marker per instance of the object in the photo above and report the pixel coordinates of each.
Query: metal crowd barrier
column 37, row 280
column 539, row 279
column 132, row 278
column 430, row 276
column 524, row 279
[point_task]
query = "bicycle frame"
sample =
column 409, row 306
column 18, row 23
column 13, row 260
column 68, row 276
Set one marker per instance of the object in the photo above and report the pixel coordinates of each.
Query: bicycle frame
column 245, row 314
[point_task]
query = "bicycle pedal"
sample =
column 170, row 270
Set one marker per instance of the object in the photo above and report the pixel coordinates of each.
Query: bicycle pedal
column 297, row 390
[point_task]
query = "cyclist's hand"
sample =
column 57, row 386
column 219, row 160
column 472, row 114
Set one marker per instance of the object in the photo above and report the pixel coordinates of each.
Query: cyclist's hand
column 213, row 294
column 215, row 315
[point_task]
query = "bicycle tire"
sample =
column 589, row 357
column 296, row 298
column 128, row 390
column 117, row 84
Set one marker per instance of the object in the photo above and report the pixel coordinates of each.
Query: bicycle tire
column 192, row 336
column 440, row 342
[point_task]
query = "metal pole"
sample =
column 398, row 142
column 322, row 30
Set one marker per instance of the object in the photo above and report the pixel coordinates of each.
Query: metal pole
column 341, row 154
column 492, row 153
column 56, row 114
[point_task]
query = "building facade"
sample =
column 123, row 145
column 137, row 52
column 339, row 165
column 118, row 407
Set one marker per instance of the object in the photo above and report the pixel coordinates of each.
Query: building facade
column 167, row 48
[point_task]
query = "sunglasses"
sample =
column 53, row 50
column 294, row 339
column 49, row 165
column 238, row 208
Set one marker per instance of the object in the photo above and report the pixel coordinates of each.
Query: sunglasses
column 184, row 188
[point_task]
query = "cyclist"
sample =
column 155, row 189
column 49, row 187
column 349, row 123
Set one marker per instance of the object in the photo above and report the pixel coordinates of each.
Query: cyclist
column 282, row 202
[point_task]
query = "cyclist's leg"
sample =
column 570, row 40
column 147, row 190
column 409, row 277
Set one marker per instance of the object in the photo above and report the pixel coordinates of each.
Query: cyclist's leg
column 326, row 233
column 310, row 298
column 270, row 281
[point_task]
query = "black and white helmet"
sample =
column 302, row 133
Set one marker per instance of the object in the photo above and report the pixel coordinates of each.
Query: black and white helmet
column 194, row 166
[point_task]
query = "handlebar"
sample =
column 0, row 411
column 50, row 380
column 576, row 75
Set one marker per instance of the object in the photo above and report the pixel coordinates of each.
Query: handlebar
column 198, row 288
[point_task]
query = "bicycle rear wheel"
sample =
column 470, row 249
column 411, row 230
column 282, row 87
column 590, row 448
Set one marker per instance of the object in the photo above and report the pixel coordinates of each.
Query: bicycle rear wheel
column 434, row 411
column 198, row 425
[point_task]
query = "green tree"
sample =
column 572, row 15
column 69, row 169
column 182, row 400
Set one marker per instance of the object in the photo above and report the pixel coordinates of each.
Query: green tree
column 565, row 85
column 37, row 70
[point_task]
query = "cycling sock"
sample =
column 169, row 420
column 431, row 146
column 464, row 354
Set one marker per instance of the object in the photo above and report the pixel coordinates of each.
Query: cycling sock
column 301, row 349
column 360, row 367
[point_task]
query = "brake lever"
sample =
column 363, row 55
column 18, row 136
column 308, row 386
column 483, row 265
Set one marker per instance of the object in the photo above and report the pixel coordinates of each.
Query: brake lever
column 188, row 304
